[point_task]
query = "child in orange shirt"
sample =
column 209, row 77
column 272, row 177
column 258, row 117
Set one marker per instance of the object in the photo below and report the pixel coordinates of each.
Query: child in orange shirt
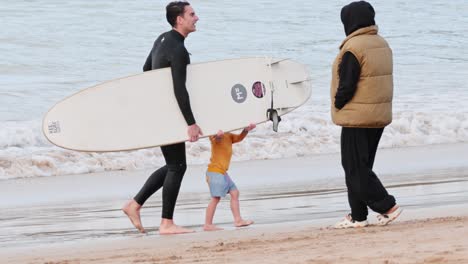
column 219, row 181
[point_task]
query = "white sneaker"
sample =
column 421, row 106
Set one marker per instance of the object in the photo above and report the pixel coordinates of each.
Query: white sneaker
column 385, row 219
column 348, row 222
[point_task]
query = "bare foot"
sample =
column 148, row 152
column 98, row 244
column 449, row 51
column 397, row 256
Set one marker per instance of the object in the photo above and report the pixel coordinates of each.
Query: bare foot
column 174, row 230
column 132, row 210
column 243, row 223
column 211, row 228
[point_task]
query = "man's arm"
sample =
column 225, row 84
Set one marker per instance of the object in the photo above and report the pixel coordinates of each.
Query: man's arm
column 349, row 72
column 179, row 76
column 179, row 63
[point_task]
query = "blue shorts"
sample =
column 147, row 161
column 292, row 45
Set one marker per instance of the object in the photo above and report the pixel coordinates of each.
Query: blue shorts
column 220, row 184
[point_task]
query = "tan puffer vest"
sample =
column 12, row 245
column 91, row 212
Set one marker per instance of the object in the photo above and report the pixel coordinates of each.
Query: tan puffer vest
column 371, row 105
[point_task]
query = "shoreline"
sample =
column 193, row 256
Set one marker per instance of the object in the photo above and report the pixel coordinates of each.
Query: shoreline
column 392, row 165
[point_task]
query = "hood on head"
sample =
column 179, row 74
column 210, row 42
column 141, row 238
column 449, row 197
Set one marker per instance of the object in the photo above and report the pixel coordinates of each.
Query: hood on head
column 357, row 15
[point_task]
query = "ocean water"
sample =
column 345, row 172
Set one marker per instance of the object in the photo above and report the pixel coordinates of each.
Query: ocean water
column 50, row 49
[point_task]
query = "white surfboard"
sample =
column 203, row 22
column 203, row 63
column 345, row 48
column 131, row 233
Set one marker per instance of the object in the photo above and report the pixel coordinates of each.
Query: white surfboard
column 141, row 111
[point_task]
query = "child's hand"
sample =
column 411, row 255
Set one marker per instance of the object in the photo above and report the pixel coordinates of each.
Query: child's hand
column 250, row 127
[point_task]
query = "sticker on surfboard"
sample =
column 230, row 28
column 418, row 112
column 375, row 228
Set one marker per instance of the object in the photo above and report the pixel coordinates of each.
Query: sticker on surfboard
column 258, row 89
column 54, row 127
column 239, row 93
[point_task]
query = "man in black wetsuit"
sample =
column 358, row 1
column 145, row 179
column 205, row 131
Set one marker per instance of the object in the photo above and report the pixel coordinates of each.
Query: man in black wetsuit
column 169, row 51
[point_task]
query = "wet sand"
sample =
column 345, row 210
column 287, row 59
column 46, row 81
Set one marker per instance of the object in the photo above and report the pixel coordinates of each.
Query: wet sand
column 291, row 201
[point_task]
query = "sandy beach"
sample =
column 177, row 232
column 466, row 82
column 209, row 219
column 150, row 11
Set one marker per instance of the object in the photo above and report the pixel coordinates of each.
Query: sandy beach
column 294, row 202
column 435, row 240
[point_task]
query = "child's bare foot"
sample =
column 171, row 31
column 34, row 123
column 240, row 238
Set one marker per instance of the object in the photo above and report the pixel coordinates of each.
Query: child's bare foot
column 211, row 228
column 243, row 223
column 132, row 210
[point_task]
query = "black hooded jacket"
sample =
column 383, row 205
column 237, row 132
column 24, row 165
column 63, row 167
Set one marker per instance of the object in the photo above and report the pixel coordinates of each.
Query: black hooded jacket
column 354, row 16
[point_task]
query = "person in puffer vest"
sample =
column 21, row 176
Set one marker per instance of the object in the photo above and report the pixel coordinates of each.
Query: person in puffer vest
column 361, row 95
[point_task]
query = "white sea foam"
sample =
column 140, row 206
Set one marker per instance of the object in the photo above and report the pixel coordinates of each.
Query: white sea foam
column 25, row 152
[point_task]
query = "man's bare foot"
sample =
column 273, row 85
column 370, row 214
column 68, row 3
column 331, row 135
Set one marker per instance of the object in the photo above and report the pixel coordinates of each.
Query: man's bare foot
column 132, row 210
column 211, row 228
column 243, row 223
column 174, row 230
column 168, row 227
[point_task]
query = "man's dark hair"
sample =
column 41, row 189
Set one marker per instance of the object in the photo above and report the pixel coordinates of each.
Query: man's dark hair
column 175, row 9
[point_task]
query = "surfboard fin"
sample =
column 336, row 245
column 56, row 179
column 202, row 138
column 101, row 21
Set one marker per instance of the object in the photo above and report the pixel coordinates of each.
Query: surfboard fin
column 274, row 117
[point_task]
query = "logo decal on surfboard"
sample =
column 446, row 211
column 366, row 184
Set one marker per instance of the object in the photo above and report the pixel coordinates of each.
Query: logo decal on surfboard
column 258, row 89
column 239, row 93
column 54, row 127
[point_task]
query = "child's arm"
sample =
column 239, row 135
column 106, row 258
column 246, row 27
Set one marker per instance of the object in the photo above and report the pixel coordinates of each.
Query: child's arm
column 243, row 134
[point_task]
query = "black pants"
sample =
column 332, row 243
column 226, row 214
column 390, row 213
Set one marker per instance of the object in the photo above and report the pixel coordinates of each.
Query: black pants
column 358, row 149
column 169, row 177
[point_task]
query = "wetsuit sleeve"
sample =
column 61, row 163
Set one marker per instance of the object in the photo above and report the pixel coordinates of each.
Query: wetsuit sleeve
column 238, row 138
column 349, row 72
column 147, row 66
column 179, row 63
